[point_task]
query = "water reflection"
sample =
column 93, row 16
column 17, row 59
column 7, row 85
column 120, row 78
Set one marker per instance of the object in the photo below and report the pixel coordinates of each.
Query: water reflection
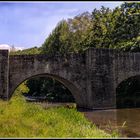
column 126, row 121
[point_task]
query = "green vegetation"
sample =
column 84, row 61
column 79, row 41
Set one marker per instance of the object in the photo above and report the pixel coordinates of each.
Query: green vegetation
column 33, row 50
column 104, row 28
column 49, row 88
column 19, row 118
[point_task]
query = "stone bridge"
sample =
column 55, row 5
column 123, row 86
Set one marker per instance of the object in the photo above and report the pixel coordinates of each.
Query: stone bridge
column 92, row 76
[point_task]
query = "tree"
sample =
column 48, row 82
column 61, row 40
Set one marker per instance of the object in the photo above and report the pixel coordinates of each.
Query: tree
column 50, row 88
column 127, row 27
column 102, row 26
column 80, row 27
column 59, row 41
column 68, row 36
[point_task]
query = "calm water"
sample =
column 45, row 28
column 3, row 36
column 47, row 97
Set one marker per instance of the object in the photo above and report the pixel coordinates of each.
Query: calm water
column 126, row 121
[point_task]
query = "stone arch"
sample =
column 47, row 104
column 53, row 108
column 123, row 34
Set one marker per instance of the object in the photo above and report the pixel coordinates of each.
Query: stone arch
column 128, row 99
column 124, row 76
column 75, row 91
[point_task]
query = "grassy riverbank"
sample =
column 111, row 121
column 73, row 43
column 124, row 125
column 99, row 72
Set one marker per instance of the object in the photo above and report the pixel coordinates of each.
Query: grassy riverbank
column 21, row 119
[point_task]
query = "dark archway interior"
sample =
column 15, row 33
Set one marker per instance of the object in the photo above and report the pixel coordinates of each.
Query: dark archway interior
column 128, row 93
column 47, row 89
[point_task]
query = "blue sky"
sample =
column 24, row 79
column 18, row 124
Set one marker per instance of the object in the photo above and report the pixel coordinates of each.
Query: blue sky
column 28, row 24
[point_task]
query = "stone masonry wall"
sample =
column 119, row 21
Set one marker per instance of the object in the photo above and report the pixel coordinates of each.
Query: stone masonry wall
column 106, row 69
column 69, row 70
column 100, row 81
column 92, row 77
column 4, row 74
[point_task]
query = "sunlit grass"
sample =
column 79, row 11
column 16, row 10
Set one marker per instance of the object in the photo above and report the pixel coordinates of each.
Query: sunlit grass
column 19, row 118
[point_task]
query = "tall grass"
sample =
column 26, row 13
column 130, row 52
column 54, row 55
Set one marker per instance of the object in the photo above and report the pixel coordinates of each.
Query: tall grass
column 19, row 118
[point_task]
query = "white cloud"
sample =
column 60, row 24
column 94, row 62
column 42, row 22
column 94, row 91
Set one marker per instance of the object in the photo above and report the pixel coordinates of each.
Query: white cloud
column 9, row 47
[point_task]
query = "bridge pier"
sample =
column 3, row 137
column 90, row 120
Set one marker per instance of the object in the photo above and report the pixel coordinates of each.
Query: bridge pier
column 101, row 78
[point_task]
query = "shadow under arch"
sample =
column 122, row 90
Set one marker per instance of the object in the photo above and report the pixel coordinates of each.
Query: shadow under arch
column 128, row 92
column 69, row 85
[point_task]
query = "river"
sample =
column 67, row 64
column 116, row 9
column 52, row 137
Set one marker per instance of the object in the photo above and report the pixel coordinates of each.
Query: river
column 126, row 121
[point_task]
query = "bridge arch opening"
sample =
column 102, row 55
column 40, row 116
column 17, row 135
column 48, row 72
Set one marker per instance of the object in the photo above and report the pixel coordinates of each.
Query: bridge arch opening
column 72, row 94
column 128, row 93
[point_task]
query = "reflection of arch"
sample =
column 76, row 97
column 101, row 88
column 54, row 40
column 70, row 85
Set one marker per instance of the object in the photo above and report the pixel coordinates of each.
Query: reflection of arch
column 71, row 87
column 128, row 92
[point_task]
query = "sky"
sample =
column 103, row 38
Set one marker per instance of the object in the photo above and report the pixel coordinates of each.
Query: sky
column 27, row 24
